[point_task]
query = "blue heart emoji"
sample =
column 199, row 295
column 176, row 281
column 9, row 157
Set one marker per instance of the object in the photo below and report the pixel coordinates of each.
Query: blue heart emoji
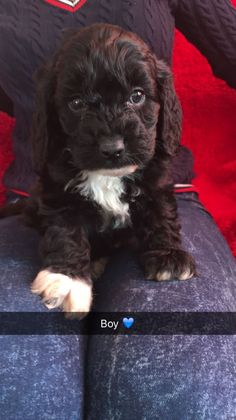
column 128, row 322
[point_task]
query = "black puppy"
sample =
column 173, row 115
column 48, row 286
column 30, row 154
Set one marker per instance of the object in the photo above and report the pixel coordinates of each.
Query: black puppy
column 106, row 128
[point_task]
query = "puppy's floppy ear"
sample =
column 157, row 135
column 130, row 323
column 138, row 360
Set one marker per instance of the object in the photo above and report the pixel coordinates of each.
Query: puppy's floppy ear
column 42, row 116
column 170, row 119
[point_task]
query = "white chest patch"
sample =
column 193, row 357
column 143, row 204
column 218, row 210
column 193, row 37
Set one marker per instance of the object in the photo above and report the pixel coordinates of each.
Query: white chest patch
column 106, row 191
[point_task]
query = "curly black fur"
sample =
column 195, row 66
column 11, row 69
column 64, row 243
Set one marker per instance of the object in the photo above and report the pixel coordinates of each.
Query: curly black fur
column 101, row 65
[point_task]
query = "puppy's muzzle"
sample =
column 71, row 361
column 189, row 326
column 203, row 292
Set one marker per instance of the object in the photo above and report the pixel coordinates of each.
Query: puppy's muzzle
column 112, row 150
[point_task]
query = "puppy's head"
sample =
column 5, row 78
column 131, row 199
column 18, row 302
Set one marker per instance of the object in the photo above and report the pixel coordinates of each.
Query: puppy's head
column 106, row 101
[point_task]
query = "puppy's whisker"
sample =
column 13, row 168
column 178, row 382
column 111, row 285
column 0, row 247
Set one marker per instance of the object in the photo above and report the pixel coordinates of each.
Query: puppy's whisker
column 134, row 159
column 72, row 185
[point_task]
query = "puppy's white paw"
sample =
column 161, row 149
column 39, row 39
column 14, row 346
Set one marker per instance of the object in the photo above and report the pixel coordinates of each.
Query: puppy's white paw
column 168, row 275
column 58, row 290
column 163, row 275
column 79, row 299
column 186, row 274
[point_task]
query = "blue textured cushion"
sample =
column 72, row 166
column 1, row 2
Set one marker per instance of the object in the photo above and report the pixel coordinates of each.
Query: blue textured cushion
column 167, row 377
column 41, row 377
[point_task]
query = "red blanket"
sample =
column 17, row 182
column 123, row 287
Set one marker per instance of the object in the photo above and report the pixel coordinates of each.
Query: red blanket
column 209, row 129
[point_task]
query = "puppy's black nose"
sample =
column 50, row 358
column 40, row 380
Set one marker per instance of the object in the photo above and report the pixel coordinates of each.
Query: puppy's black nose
column 112, row 150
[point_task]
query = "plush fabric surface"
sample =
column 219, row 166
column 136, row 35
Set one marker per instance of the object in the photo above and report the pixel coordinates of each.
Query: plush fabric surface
column 209, row 130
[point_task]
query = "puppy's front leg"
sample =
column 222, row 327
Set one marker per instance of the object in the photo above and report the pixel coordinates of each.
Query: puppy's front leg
column 64, row 280
column 159, row 232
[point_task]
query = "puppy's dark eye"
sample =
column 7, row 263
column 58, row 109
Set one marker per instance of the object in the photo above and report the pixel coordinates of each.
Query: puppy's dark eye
column 76, row 104
column 137, row 97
